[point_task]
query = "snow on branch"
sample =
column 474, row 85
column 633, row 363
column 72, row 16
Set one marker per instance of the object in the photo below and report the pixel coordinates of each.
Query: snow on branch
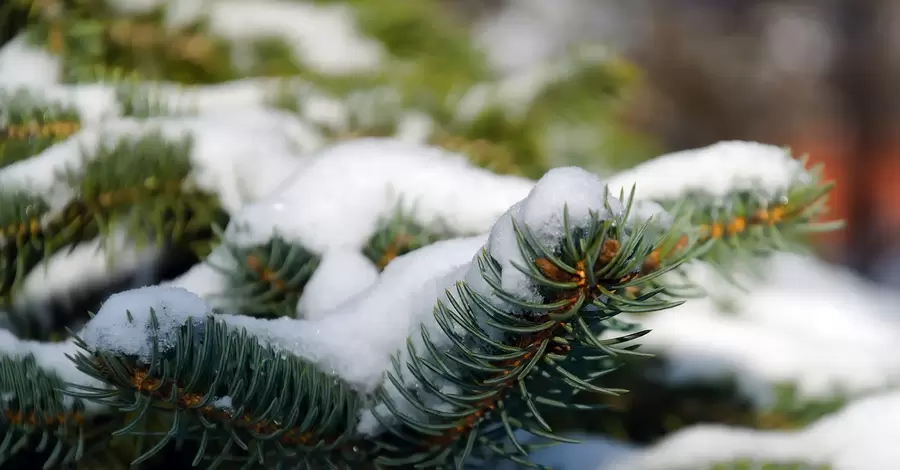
column 859, row 436
column 53, row 359
column 825, row 332
column 404, row 295
column 439, row 187
column 398, row 315
column 335, row 201
column 331, row 204
column 237, row 155
column 718, row 170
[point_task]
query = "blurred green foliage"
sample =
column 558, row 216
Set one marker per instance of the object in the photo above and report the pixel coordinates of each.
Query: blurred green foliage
column 430, row 59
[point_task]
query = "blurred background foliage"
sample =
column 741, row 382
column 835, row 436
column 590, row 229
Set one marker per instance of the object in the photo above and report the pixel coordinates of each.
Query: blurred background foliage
column 572, row 102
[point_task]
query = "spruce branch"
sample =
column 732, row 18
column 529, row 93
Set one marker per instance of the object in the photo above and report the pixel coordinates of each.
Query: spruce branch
column 496, row 351
column 140, row 185
column 743, row 220
column 268, row 279
column 89, row 36
column 28, row 125
column 246, row 402
column 505, row 360
column 20, row 222
column 494, row 361
column 398, row 234
column 144, row 186
column 95, row 43
column 33, row 412
column 265, row 280
column 36, row 415
column 500, row 356
column 746, row 224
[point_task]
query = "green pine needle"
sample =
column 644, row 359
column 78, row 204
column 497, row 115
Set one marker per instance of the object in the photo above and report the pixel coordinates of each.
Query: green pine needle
column 509, row 365
column 280, row 409
column 35, row 415
column 745, row 227
column 29, row 125
column 266, row 280
column 398, row 234
column 140, row 184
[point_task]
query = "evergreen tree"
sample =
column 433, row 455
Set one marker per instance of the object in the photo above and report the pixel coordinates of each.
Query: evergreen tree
column 359, row 294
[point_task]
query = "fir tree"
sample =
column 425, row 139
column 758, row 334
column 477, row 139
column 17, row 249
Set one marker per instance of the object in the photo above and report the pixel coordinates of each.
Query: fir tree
column 508, row 327
column 362, row 292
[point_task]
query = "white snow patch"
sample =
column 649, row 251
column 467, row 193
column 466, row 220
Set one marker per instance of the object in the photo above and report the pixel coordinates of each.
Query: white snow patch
column 25, row 65
column 524, row 33
column 322, row 109
column 717, row 170
column 224, row 403
column 379, row 321
column 859, row 436
column 181, row 13
column 340, row 275
column 240, row 155
column 642, row 211
column 97, row 102
column 807, row 323
column 112, row 330
column 208, row 279
column 579, row 192
column 337, row 200
column 415, row 127
column 86, row 263
column 244, row 93
column 93, row 102
column 323, row 37
column 574, row 189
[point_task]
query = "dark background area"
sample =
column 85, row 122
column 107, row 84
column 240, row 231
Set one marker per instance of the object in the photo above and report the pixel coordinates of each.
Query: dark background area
column 815, row 76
